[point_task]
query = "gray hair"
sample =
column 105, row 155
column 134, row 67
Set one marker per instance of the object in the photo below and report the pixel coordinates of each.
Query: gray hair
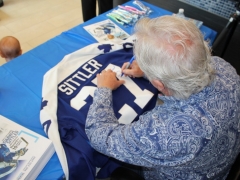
column 173, row 51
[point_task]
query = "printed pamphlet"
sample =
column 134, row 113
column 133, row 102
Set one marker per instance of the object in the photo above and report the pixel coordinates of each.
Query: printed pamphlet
column 23, row 153
column 106, row 31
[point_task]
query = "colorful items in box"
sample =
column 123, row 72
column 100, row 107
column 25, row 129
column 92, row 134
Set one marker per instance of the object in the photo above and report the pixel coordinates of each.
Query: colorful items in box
column 129, row 15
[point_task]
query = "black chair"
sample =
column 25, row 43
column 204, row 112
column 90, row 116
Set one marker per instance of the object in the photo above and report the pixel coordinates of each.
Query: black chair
column 123, row 173
column 234, row 173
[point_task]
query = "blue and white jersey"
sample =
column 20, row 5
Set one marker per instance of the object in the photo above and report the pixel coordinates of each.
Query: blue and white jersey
column 67, row 94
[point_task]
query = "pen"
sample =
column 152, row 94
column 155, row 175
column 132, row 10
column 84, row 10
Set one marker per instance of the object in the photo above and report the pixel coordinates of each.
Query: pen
column 129, row 63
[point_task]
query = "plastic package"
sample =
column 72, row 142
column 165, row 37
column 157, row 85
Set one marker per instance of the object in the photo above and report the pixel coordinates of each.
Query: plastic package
column 146, row 9
column 125, row 16
column 181, row 15
column 129, row 15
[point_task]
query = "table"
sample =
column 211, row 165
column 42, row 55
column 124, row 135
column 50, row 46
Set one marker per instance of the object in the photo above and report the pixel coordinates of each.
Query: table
column 21, row 79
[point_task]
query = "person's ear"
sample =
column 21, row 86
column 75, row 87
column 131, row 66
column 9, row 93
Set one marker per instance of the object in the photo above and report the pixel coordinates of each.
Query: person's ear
column 158, row 84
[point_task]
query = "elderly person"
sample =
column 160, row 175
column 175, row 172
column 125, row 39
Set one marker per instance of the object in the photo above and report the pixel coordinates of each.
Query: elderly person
column 195, row 133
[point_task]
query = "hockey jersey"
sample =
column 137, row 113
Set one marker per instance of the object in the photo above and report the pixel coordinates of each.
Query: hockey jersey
column 67, row 94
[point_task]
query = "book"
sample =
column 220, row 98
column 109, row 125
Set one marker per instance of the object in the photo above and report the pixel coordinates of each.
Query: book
column 23, row 153
column 106, row 31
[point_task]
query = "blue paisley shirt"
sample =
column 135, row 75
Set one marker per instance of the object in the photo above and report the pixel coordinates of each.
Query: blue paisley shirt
column 193, row 139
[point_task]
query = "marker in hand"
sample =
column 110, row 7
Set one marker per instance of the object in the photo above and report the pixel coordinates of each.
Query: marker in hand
column 129, row 63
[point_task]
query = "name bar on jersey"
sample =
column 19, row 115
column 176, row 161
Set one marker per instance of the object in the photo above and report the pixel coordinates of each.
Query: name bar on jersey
column 68, row 86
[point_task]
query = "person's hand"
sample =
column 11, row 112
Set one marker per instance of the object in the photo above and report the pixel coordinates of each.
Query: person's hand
column 108, row 79
column 133, row 70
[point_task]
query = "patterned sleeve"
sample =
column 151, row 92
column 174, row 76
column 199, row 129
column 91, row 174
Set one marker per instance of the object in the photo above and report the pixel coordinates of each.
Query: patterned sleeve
column 144, row 142
column 106, row 135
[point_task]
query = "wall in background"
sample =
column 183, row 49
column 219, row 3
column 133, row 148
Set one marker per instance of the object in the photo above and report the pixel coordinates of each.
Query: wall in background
column 223, row 8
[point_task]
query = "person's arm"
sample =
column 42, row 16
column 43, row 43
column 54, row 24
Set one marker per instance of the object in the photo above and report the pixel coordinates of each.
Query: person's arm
column 126, row 143
column 107, row 136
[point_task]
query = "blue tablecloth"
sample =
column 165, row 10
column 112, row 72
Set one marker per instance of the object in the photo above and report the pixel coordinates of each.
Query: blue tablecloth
column 21, row 79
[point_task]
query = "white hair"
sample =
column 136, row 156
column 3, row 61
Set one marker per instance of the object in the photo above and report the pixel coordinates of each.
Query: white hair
column 173, row 51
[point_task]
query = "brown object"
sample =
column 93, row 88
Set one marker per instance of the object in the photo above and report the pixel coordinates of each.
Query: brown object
column 110, row 36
